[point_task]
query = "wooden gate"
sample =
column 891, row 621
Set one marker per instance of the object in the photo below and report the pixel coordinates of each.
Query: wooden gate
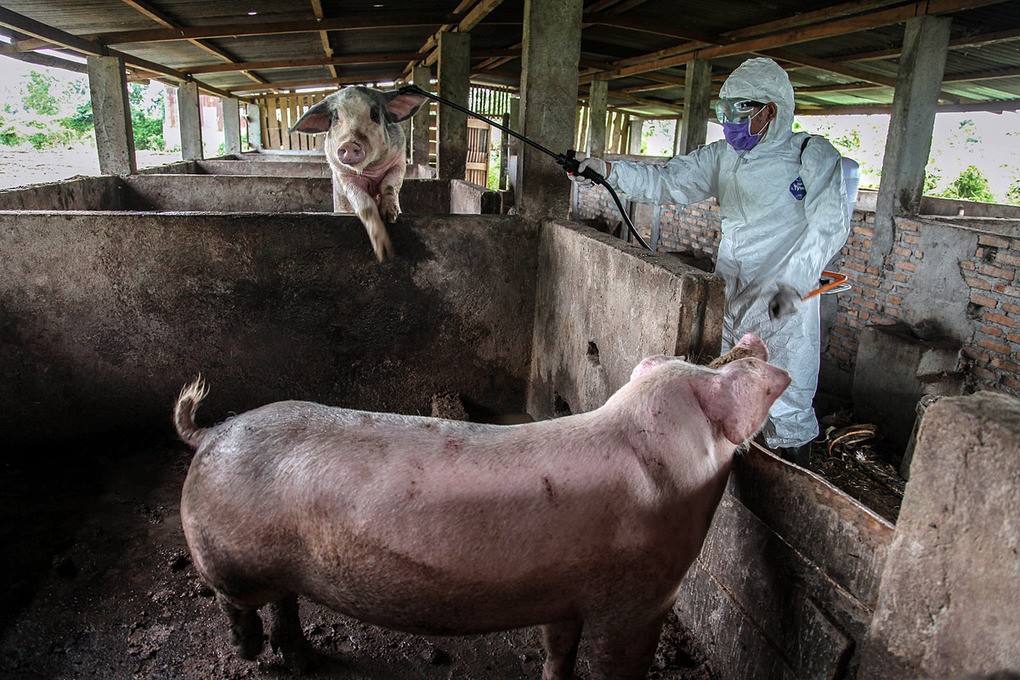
column 477, row 169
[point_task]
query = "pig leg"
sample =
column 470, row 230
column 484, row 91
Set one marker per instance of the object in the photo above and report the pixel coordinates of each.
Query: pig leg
column 389, row 192
column 561, row 640
column 623, row 650
column 285, row 635
column 366, row 209
column 246, row 633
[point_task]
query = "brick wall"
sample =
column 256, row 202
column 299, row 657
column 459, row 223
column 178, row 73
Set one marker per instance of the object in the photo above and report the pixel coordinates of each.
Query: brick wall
column 985, row 307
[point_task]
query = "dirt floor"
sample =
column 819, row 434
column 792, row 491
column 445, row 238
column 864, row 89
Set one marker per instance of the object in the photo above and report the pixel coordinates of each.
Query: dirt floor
column 98, row 584
column 856, row 459
column 19, row 167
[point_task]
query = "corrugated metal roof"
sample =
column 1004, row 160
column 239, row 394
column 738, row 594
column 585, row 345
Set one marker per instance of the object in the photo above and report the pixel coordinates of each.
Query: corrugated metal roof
column 839, row 54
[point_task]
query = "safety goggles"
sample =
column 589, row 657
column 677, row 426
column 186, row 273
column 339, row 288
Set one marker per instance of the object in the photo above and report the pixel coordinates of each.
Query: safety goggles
column 734, row 110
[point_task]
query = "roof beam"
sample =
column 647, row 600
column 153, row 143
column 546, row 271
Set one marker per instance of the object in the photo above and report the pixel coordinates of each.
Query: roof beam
column 867, row 109
column 160, row 18
column 348, row 23
column 830, row 29
column 55, row 36
column 327, row 48
column 472, row 18
column 373, row 58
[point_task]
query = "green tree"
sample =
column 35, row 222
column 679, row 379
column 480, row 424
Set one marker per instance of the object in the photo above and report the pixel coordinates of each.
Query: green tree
column 971, row 185
column 37, row 97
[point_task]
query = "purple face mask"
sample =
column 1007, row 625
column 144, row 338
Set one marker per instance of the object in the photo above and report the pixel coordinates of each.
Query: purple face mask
column 738, row 134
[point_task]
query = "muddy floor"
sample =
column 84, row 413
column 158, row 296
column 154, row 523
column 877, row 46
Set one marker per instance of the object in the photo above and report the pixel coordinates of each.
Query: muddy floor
column 97, row 584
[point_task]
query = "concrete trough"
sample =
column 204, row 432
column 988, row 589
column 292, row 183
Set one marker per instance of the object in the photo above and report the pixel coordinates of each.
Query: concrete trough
column 198, row 191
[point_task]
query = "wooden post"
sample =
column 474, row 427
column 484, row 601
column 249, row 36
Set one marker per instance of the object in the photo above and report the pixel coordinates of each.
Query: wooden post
column 111, row 112
column 598, row 104
column 697, row 101
column 421, row 76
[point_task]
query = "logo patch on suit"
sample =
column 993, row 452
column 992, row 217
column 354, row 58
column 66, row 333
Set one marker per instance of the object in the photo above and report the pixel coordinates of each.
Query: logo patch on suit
column 797, row 189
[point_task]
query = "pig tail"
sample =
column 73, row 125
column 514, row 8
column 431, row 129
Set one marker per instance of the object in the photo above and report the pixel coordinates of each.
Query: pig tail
column 184, row 412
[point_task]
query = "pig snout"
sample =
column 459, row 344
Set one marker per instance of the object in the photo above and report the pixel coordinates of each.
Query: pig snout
column 755, row 347
column 350, row 153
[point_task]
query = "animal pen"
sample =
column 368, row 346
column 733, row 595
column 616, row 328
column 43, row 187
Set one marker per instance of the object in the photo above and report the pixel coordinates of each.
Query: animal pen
column 119, row 289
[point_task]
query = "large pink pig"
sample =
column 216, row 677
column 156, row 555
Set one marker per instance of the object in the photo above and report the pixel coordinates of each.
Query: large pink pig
column 444, row 527
column 365, row 150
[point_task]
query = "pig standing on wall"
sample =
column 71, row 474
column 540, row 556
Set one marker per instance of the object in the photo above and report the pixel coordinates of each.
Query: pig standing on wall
column 365, row 149
column 445, row 527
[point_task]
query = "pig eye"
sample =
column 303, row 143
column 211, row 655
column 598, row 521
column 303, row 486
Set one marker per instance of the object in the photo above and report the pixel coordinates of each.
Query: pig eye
column 374, row 114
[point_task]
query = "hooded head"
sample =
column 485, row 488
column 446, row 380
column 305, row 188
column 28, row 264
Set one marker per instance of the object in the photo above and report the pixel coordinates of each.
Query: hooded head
column 763, row 80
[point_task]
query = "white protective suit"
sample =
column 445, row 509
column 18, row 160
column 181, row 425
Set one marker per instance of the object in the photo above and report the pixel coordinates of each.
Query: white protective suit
column 772, row 232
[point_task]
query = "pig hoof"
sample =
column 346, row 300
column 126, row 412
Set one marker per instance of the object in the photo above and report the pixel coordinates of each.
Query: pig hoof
column 383, row 248
column 297, row 652
column 249, row 643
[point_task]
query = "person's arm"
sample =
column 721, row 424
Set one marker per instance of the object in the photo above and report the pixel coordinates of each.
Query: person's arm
column 684, row 179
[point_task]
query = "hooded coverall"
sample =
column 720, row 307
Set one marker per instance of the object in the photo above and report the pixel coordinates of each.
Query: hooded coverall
column 784, row 216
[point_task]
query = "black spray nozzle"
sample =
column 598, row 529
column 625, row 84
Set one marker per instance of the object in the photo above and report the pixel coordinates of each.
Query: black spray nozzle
column 573, row 167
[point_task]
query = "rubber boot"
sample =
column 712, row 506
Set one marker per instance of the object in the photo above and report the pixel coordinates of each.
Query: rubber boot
column 798, row 455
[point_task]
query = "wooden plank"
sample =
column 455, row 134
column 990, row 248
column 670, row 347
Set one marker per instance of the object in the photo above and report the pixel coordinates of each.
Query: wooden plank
column 373, row 58
column 256, row 27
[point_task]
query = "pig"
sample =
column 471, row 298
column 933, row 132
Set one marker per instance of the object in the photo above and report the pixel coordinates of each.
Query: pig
column 365, row 150
column 430, row 526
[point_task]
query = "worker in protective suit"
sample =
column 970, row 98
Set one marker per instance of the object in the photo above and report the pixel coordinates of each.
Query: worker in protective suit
column 784, row 216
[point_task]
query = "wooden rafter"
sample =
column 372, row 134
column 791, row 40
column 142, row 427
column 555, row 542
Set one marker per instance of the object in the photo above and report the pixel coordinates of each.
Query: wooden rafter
column 373, row 58
column 55, row 36
column 347, row 23
column 165, row 21
column 794, row 36
column 473, row 11
column 327, row 47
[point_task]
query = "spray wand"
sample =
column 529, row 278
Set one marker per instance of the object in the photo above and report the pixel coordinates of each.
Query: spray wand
column 781, row 305
column 568, row 160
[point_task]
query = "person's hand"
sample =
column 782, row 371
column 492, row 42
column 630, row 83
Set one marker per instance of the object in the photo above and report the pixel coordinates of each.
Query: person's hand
column 596, row 164
column 784, row 302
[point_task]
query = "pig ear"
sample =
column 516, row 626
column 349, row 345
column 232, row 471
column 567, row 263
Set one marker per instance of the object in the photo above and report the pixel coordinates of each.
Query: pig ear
column 648, row 363
column 403, row 106
column 737, row 400
column 316, row 120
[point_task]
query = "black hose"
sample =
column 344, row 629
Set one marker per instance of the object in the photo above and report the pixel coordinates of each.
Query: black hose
column 567, row 160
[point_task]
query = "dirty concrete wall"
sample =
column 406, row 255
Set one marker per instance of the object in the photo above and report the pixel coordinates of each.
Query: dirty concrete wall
column 601, row 307
column 81, row 193
column 470, row 199
column 103, row 316
column 272, row 194
column 265, row 169
column 228, row 193
column 950, row 592
column 788, row 579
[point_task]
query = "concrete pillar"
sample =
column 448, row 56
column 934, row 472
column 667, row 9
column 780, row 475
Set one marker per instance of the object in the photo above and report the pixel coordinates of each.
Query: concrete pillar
column 918, row 83
column 598, row 106
column 950, row 590
column 454, row 82
column 111, row 114
column 421, row 76
column 254, row 127
column 697, row 105
column 550, row 55
column 231, row 126
column 191, row 121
